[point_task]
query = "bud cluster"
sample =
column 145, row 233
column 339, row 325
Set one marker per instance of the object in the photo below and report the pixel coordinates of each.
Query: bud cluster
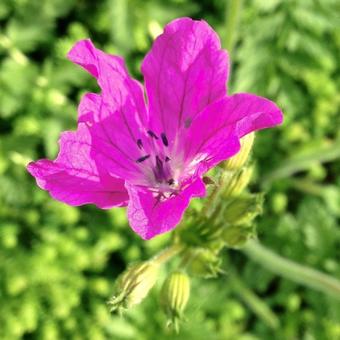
column 227, row 218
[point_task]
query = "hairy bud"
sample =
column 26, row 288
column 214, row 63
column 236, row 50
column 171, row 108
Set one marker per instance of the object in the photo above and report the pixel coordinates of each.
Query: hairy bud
column 238, row 181
column 243, row 210
column 175, row 295
column 237, row 236
column 205, row 263
column 241, row 157
column 134, row 285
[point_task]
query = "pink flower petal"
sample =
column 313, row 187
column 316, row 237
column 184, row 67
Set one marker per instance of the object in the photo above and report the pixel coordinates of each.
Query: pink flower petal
column 184, row 71
column 225, row 122
column 117, row 86
column 74, row 177
column 114, row 136
column 149, row 217
column 116, row 118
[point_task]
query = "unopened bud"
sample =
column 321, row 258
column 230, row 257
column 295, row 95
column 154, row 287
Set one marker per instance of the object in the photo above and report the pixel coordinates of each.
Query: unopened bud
column 238, row 181
column 205, row 263
column 134, row 285
column 175, row 295
column 237, row 161
column 237, row 236
column 243, row 210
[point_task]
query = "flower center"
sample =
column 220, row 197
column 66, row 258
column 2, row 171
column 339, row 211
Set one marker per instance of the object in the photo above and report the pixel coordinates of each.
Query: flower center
column 156, row 164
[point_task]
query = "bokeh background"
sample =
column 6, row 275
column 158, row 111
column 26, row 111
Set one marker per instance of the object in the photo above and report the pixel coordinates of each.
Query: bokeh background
column 58, row 263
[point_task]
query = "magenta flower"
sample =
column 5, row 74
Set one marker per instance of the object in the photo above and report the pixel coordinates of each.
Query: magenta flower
column 150, row 154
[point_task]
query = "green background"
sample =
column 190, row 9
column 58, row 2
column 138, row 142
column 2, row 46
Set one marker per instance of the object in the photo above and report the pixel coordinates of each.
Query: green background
column 58, row 263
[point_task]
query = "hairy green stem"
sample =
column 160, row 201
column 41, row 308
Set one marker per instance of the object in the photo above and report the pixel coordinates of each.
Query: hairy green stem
column 232, row 19
column 298, row 273
column 303, row 162
column 168, row 253
column 214, row 197
column 254, row 302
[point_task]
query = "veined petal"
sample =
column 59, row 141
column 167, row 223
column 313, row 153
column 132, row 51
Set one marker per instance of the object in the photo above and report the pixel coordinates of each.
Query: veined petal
column 225, row 122
column 115, row 118
column 75, row 178
column 114, row 136
column 184, row 72
column 149, row 216
column 117, row 86
column 252, row 113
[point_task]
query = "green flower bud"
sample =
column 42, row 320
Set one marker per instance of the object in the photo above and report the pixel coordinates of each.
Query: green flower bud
column 243, row 210
column 175, row 295
column 238, row 181
column 237, row 236
column 205, row 263
column 134, row 285
column 241, row 157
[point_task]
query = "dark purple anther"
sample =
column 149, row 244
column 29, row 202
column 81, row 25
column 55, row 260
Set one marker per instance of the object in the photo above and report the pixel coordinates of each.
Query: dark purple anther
column 159, row 164
column 152, row 134
column 142, row 159
column 164, row 139
column 159, row 170
column 139, row 143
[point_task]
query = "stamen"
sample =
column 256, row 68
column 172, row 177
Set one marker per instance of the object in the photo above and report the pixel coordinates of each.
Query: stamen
column 159, row 163
column 142, row 159
column 159, row 170
column 164, row 139
column 171, row 181
column 152, row 134
column 167, row 159
column 139, row 143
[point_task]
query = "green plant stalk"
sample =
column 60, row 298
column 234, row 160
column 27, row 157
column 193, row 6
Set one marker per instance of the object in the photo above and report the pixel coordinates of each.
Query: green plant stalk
column 167, row 254
column 212, row 201
column 254, row 302
column 304, row 162
column 288, row 269
column 232, row 19
column 307, row 186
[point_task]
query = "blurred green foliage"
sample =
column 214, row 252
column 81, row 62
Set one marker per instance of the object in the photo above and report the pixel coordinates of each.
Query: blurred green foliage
column 58, row 263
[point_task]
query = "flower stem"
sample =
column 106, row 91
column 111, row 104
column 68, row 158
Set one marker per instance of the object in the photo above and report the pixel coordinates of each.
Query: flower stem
column 213, row 199
column 298, row 273
column 232, row 19
column 287, row 168
column 256, row 304
column 167, row 254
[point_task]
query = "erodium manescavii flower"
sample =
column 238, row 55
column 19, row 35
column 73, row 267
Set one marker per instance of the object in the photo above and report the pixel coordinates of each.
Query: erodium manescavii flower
column 147, row 148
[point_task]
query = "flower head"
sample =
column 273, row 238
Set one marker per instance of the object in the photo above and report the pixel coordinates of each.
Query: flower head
column 150, row 154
